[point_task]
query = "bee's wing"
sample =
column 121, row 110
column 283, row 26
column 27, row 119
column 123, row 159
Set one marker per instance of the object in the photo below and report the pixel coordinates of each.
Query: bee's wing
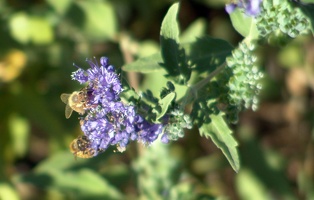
column 68, row 111
column 64, row 97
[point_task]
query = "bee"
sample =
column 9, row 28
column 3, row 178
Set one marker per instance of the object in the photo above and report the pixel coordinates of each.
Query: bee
column 75, row 101
column 80, row 147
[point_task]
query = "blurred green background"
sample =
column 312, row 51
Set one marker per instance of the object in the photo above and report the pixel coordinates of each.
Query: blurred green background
column 40, row 40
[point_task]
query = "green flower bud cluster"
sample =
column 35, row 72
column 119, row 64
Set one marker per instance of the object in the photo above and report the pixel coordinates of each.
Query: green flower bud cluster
column 279, row 17
column 177, row 122
column 243, row 84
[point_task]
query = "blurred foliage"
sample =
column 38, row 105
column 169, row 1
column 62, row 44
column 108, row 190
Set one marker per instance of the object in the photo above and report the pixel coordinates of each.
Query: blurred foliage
column 41, row 39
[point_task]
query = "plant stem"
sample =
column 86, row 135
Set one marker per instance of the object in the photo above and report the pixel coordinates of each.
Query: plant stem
column 192, row 91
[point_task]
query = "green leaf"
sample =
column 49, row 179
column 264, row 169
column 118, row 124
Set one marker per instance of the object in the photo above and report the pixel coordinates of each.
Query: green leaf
column 154, row 82
column 86, row 183
column 128, row 93
column 157, row 171
column 220, row 134
column 19, row 27
column 244, row 24
column 45, row 35
column 148, row 48
column 164, row 104
column 308, row 10
column 43, row 117
column 265, row 165
column 70, row 179
column 7, row 192
column 19, row 132
column 196, row 29
column 207, row 53
column 61, row 6
column 145, row 65
column 100, row 22
column 307, row 1
column 174, row 59
column 25, row 29
column 169, row 26
column 249, row 186
column 183, row 190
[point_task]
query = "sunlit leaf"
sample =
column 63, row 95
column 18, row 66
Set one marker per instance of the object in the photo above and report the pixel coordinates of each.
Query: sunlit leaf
column 19, row 129
column 147, row 48
column 19, row 27
column 100, row 21
column 86, row 183
column 165, row 103
column 244, row 24
column 195, row 30
column 182, row 190
column 249, row 186
column 7, row 192
column 220, row 134
column 169, row 26
column 41, row 30
column 25, row 28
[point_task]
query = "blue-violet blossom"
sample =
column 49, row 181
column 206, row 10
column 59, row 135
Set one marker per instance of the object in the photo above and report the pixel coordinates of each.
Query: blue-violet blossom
column 108, row 121
column 251, row 7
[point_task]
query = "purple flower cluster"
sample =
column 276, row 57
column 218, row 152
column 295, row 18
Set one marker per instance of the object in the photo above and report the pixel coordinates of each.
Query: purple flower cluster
column 251, row 7
column 108, row 121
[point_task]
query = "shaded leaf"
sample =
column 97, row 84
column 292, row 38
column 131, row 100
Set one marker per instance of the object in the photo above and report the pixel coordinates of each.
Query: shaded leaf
column 174, row 59
column 257, row 160
column 207, row 53
column 307, row 1
column 60, row 6
column 220, row 134
column 308, row 10
column 43, row 117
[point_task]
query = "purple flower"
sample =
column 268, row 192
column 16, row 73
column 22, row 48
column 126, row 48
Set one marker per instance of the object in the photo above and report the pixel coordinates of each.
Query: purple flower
column 108, row 121
column 147, row 132
column 253, row 7
column 250, row 7
column 230, row 7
